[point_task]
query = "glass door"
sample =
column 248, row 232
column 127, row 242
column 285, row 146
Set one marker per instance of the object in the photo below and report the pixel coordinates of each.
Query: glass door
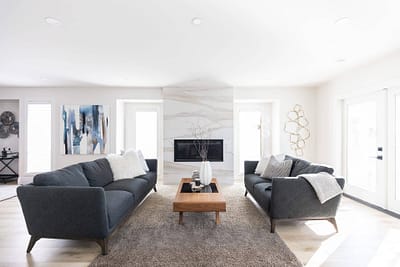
column 141, row 128
column 253, row 132
column 249, row 136
column 364, row 148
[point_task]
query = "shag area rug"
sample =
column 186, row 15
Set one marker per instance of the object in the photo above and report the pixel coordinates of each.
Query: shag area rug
column 153, row 237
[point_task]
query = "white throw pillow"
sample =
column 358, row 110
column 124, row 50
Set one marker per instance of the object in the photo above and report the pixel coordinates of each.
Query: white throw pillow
column 261, row 165
column 125, row 166
column 277, row 168
column 142, row 161
column 134, row 161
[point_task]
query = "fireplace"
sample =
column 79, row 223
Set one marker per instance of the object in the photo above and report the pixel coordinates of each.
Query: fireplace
column 185, row 150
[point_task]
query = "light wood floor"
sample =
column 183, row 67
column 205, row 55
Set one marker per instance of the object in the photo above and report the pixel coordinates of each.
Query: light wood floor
column 367, row 238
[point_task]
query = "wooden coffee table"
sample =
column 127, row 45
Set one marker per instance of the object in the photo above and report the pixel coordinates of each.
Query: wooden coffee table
column 199, row 201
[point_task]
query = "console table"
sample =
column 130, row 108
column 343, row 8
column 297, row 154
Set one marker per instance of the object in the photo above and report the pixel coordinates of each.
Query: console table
column 5, row 163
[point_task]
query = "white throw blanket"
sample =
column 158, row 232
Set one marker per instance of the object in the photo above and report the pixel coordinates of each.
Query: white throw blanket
column 324, row 184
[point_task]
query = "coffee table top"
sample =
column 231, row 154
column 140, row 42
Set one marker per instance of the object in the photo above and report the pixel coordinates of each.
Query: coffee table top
column 199, row 201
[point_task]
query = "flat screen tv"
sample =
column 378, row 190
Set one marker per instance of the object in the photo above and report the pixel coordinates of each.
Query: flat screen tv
column 185, row 150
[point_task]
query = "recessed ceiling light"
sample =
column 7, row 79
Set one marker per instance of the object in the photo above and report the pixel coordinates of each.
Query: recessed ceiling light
column 342, row 20
column 340, row 60
column 52, row 21
column 196, row 21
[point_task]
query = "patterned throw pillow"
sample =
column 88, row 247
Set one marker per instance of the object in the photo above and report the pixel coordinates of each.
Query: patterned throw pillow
column 277, row 168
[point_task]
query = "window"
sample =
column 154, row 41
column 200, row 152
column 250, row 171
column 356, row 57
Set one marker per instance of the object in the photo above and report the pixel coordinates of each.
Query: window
column 38, row 138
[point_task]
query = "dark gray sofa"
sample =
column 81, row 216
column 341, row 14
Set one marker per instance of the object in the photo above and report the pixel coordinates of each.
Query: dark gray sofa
column 82, row 201
column 291, row 199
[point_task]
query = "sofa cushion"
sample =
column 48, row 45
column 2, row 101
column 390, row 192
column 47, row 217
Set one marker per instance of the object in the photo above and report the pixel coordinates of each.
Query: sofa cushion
column 150, row 177
column 297, row 166
column 301, row 166
column 137, row 187
column 98, row 172
column 250, row 180
column 262, row 193
column 69, row 176
column 314, row 168
column 118, row 204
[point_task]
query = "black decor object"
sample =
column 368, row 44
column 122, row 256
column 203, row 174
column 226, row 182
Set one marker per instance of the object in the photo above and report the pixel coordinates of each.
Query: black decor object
column 185, row 150
column 4, row 131
column 14, row 128
column 7, row 118
column 211, row 188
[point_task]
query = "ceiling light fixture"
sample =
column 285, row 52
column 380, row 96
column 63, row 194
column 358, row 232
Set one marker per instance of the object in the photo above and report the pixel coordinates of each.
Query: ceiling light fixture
column 342, row 20
column 340, row 60
column 196, row 21
column 52, row 21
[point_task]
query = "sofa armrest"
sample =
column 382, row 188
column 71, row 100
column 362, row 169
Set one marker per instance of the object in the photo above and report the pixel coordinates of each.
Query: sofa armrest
column 295, row 198
column 250, row 166
column 152, row 164
column 64, row 211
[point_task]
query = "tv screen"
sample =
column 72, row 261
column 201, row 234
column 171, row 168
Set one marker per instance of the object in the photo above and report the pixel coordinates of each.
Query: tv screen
column 185, row 150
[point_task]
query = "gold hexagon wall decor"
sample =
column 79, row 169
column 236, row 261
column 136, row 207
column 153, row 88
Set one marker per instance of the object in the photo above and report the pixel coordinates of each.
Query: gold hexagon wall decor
column 297, row 128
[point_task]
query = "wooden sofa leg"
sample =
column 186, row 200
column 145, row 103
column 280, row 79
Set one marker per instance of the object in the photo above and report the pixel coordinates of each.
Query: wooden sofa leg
column 103, row 243
column 333, row 221
column 155, row 188
column 245, row 193
column 32, row 242
column 273, row 223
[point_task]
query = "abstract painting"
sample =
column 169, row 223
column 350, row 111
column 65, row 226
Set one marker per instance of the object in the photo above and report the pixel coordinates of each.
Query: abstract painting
column 86, row 129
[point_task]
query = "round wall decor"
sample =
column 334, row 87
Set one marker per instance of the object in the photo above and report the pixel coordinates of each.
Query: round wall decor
column 14, row 128
column 7, row 118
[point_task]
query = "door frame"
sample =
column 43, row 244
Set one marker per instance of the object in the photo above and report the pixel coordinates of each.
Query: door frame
column 392, row 203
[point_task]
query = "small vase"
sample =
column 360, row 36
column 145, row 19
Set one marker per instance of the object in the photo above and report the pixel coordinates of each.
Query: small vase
column 205, row 173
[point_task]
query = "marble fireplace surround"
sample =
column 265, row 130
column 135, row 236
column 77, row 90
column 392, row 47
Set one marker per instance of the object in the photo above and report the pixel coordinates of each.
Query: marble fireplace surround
column 209, row 108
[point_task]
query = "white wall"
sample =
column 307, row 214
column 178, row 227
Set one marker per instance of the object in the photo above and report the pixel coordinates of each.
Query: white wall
column 372, row 77
column 283, row 100
column 60, row 96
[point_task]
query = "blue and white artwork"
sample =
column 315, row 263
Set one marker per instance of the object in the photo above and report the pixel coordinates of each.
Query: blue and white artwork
column 86, row 129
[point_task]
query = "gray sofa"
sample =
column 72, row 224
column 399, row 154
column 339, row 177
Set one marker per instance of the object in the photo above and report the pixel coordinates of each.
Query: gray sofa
column 82, row 201
column 291, row 199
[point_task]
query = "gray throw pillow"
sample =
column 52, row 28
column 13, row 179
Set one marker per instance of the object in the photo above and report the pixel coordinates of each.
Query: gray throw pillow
column 277, row 168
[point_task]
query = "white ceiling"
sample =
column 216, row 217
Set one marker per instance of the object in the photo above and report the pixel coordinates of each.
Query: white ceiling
column 154, row 43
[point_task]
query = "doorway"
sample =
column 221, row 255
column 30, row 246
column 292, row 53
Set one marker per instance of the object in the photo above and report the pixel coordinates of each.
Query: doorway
column 365, row 144
column 253, row 132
